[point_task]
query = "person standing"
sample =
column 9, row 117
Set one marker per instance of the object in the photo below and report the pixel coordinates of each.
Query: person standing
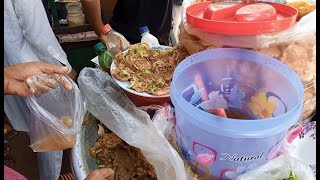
column 28, row 37
column 130, row 15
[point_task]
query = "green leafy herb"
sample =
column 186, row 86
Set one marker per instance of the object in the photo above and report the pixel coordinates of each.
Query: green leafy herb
column 153, row 87
column 146, row 71
column 292, row 176
column 124, row 73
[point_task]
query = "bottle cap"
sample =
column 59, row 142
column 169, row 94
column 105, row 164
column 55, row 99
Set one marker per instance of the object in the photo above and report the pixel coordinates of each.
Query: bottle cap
column 98, row 47
column 143, row 29
column 106, row 28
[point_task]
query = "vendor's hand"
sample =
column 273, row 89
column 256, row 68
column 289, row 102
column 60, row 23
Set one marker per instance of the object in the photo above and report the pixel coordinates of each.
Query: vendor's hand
column 42, row 83
column 101, row 174
column 103, row 39
column 124, row 44
column 16, row 75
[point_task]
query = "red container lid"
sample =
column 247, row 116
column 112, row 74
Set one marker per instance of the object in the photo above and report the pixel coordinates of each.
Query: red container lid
column 106, row 28
column 222, row 18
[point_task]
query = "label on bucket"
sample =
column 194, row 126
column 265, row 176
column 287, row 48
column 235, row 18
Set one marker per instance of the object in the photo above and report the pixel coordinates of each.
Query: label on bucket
column 224, row 157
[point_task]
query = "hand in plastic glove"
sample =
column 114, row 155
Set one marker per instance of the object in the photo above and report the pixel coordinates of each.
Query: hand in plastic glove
column 101, row 174
column 42, row 83
column 16, row 75
column 117, row 39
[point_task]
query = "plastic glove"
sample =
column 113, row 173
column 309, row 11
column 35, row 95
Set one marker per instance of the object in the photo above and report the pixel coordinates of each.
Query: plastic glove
column 101, row 174
column 43, row 83
column 115, row 42
column 16, row 75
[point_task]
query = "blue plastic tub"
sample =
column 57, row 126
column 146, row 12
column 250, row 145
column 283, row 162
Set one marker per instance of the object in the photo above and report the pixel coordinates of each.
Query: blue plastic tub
column 267, row 91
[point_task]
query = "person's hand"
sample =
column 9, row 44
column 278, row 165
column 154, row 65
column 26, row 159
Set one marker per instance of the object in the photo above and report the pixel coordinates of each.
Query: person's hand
column 101, row 174
column 103, row 39
column 16, row 75
column 42, row 83
column 121, row 43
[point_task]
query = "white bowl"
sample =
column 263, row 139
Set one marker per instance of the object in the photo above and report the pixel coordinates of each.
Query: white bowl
column 125, row 84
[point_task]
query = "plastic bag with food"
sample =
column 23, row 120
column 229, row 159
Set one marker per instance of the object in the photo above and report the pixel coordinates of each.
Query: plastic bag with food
column 295, row 46
column 287, row 166
column 283, row 167
column 106, row 101
column 57, row 112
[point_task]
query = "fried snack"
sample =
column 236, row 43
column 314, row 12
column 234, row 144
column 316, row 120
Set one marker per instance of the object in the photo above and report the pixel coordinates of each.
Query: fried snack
column 303, row 8
column 128, row 161
column 148, row 70
column 300, row 55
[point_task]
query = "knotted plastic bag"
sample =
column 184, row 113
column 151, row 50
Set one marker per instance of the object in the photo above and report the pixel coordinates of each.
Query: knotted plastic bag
column 284, row 166
column 280, row 168
column 106, row 101
column 57, row 112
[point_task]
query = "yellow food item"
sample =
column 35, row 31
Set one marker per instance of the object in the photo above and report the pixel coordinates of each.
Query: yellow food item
column 303, row 8
column 128, row 161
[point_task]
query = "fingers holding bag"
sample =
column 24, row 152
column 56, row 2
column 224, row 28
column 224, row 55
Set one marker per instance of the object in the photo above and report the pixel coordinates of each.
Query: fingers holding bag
column 43, row 83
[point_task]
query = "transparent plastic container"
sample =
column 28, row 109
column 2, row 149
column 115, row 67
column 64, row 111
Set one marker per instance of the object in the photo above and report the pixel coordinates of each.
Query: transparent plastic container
column 116, row 42
column 269, row 92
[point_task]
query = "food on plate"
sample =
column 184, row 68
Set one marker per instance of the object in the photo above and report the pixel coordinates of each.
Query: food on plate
column 303, row 8
column 127, row 161
column 148, row 70
column 256, row 12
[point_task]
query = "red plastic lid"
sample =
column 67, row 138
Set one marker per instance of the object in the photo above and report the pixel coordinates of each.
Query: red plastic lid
column 221, row 18
column 106, row 28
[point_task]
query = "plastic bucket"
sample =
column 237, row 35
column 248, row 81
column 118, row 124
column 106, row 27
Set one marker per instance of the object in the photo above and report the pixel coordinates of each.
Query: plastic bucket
column 239, row 80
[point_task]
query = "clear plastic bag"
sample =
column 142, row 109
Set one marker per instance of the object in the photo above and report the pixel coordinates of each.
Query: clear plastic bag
column 106, row 101
column 279, row 168
column 56, row 116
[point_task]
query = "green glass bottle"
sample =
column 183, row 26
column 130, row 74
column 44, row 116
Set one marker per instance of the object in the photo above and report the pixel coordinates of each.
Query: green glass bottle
column 105, row 57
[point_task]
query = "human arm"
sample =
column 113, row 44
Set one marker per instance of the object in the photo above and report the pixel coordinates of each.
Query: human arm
column 101, row 174
column 16, row 75
column 92, row 11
